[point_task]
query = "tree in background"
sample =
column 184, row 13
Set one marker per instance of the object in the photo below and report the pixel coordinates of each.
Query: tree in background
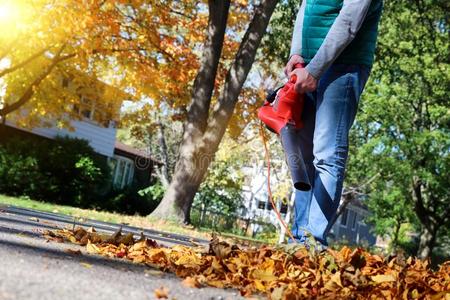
column 150, row 51
column 402, row 129
column 399, row 154
column 41, row 44
column 205, row 125
column 159, row 133
column 221, row 191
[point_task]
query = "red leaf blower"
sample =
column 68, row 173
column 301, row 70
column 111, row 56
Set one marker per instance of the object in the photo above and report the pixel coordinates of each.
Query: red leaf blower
column 281, row 113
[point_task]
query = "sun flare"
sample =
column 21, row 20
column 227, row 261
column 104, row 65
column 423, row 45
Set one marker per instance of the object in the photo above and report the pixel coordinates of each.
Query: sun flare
column 9, row 12
column 11, row 17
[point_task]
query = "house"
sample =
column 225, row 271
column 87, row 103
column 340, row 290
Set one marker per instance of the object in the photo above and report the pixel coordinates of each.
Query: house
column 257, row 206
column 349, row 227
column 98, row 127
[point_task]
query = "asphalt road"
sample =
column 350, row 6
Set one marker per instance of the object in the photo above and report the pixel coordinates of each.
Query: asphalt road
column 32, row 268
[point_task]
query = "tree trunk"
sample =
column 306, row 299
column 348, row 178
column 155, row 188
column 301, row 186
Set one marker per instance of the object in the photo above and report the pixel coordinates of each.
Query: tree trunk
column 428, row 218
column 165, row 177
column 189, row 172
column 2, row 127
column 202, row 137
column 202, row 214
column 396, row 235
column 427, row 242
column 183, row 187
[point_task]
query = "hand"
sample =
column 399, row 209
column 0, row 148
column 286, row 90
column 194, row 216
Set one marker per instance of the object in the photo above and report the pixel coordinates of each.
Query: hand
column 305, row 82
column 295, row 59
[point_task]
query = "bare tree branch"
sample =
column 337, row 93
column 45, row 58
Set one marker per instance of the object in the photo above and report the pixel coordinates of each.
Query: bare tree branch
column 23, row 63
column 31, row 88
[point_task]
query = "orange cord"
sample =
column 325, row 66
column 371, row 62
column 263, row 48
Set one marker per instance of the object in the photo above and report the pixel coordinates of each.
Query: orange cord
column 264, row 139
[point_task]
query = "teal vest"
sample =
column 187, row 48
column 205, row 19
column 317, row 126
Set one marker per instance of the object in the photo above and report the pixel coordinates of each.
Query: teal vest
column 318, row 18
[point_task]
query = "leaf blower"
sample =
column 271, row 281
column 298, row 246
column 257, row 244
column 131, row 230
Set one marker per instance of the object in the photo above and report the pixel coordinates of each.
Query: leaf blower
column 281, row 113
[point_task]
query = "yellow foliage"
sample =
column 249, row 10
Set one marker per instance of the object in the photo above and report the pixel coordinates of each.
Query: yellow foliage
column 148, row 49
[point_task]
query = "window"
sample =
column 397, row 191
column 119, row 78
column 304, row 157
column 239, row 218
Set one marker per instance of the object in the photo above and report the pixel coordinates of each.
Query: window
column 122, row 171
column 65, row 82
column 89, row 110
column 85, row 108
column 261, row 204
column 344, row 217
column 354, row 221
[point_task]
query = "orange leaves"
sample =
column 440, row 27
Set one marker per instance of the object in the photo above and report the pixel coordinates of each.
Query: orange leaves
column 299, row 274
column 162, row 293
column 191, row 282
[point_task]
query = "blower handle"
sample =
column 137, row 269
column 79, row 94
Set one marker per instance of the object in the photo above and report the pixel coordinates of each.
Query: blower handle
column 293, row 78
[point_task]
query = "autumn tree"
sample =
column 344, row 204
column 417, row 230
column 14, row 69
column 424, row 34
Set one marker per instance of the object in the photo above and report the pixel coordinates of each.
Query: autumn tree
column 157, row 132
column 150, row 50
column 45, row 43
column 206, row 125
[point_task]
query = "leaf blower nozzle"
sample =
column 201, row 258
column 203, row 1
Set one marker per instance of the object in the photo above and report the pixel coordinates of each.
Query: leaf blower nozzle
column 281, row 113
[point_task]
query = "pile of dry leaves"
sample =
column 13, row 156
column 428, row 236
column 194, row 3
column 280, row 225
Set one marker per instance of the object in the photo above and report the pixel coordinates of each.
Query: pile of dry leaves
column 280, row 274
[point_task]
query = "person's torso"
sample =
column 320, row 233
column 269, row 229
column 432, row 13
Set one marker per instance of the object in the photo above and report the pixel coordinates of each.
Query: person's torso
column 318, row 18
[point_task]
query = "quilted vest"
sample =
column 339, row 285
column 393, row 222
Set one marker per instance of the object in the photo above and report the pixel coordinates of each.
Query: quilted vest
column 318, row 18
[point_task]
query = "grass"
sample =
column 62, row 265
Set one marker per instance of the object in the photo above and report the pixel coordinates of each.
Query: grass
column 137, row 221
column 80, row 213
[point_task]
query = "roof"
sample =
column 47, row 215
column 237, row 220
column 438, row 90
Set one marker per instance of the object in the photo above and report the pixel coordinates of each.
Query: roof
column 135, row 152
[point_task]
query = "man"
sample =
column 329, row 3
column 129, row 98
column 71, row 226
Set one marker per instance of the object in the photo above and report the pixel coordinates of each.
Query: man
column 336, row 39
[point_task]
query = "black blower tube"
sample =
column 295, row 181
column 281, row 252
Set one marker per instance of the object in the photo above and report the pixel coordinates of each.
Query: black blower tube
column 290, row 139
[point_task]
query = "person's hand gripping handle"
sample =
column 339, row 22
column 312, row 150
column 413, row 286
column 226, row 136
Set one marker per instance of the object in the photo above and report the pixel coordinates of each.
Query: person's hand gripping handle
column 304, row 82
column 293, row 77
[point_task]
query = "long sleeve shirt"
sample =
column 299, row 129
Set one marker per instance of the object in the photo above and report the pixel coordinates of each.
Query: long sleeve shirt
column 341, row 33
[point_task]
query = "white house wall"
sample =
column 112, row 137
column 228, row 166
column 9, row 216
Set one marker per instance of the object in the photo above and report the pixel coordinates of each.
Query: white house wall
column 101, row 139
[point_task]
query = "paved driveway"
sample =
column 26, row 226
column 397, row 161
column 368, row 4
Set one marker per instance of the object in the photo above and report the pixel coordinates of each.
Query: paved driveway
column 32, row 268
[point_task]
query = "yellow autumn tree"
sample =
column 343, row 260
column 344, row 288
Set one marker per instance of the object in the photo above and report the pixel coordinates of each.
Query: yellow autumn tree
column 43, row 43
column 192, row 55
column 144, row 48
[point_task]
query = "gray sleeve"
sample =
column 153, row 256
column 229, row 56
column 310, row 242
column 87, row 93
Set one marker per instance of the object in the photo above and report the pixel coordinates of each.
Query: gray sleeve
column 341, row 33
column 296, row 45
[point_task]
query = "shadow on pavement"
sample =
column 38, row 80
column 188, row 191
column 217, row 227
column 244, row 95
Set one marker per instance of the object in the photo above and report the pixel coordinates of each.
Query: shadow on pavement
column 83, row 258
column 105, row 226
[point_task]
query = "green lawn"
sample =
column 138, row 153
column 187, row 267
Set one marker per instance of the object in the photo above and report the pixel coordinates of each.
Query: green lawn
column 138, row 221
column 80, row 213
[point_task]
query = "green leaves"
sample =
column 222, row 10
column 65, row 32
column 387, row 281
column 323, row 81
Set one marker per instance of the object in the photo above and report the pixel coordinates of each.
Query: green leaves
column 402, row 127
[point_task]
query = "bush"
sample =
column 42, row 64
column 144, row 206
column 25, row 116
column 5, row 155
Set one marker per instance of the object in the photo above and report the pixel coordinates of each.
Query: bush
column 64, row 170
column 133, row 201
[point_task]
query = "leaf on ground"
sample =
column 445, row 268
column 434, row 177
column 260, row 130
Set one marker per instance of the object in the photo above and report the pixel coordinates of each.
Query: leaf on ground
column 382, row 278
column 73, row 251
column 113, row 239
column 91, row 248
column 153, row 272
column 126, row 239
column 190, row 282
column 280, row 272
column 86, row 265
column 162, row 293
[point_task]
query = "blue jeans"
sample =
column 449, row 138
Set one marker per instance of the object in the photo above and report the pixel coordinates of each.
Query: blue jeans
column 328, row 114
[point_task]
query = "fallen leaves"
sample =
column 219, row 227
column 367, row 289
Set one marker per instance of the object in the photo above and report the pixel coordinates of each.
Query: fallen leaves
column 162, row 293
column 382, row 278
column 292, row 273
column 73, row 251
column 86, row 265
column 191, row 282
